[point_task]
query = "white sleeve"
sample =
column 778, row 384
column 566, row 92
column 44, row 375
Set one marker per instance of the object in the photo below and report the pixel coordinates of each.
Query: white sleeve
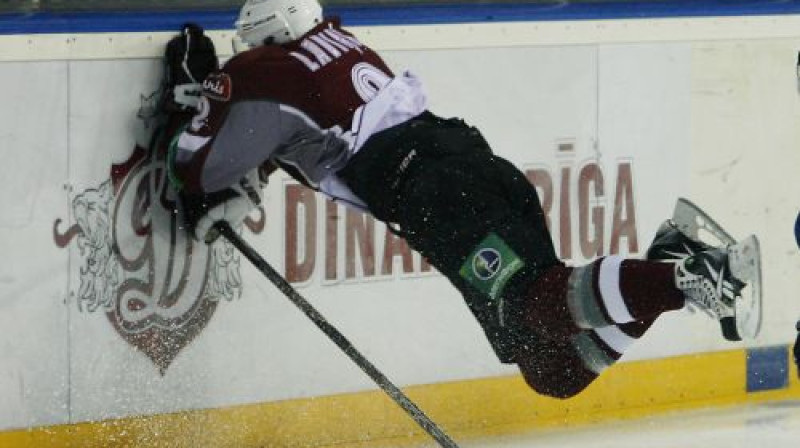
column 399, row 101
column 337, row 191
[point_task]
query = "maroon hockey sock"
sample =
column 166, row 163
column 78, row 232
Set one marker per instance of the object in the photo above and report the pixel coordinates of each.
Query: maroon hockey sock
column 563, row 301
column 649, row 288
column 613, row 290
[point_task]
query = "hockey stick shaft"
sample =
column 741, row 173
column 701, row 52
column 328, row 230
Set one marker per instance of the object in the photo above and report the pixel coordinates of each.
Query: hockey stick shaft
column 337, row 337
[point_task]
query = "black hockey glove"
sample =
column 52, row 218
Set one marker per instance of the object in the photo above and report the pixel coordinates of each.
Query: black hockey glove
column 232, row 205
column 189, row 58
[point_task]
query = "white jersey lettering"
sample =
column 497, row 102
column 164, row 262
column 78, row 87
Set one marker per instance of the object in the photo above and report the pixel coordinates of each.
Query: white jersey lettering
column 350, row 42
column 329, row 41
column 333, row 51
column 324, row 47
column 311, row 65
column 318, row 53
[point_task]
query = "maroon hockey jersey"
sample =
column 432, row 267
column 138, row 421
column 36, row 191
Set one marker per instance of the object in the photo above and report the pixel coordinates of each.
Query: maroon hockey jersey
column 301, row 104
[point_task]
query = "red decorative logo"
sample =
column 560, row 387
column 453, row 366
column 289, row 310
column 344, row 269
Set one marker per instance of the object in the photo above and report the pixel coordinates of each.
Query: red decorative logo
column 156, row 285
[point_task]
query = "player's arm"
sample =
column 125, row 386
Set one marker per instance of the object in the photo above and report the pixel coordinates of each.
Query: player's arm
column 190, row 60
column 235, row 192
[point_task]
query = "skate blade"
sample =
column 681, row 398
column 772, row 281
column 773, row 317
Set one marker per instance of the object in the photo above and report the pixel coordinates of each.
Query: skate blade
column 695, row 223
column 744, row 259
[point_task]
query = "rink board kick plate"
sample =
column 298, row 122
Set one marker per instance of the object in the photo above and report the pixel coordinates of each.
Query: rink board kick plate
column 744, row 261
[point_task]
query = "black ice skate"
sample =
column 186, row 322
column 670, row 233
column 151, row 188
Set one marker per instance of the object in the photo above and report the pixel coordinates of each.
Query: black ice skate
column 702, row 249
column 707, row 282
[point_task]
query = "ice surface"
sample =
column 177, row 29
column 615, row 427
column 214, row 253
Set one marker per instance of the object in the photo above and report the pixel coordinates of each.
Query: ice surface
column 766, row 425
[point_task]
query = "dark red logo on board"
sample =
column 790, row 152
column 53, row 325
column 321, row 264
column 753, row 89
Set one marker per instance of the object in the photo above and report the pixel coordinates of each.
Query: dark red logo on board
column 138, row 266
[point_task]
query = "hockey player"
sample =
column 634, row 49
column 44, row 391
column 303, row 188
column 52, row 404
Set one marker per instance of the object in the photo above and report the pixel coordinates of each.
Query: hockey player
column 309, row 97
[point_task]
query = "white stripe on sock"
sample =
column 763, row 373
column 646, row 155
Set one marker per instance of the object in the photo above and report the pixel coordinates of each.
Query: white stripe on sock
column 615, row 338
column 610, row 292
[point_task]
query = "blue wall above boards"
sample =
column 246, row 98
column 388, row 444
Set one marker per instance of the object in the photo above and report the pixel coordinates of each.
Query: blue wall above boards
column 397, row 14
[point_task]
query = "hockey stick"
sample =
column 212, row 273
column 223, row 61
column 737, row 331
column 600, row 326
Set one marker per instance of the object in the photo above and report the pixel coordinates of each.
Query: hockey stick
column 338, row 338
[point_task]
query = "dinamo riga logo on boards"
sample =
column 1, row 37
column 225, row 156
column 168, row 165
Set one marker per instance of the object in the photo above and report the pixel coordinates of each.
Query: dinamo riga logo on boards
column 155, row 284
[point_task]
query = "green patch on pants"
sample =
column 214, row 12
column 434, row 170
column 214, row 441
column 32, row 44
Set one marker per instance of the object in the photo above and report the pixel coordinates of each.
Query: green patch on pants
column 490, row 265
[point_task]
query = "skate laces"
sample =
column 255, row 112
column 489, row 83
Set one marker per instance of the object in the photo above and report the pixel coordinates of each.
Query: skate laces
column 709, row 288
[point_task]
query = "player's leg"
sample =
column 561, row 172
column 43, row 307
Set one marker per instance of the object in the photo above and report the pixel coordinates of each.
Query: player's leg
column 479, row 222
column 465, row 211
column 453, row 204
column 561, row 301
column 612, row 290
column 562, row 369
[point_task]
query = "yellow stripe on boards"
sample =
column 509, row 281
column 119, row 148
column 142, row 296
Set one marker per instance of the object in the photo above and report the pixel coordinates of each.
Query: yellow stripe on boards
column 464, row 409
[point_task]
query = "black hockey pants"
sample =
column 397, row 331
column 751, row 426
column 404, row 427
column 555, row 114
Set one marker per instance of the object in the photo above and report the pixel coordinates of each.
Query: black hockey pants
column 466, row 210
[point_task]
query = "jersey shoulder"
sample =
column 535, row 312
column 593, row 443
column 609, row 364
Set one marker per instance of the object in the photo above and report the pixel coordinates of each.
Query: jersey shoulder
column 263, row 55
column 258, row 72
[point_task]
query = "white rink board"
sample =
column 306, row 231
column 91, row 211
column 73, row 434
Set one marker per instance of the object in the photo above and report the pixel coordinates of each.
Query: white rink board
column 711, row 120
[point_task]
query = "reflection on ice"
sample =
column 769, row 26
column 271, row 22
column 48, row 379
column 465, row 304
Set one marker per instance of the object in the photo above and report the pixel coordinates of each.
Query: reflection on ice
column 770, row 424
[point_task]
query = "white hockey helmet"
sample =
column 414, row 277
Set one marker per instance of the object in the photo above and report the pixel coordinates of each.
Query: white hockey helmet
column 276, row 21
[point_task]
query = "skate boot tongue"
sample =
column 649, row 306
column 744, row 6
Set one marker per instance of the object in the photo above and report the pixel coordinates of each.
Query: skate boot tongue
column 671, row 244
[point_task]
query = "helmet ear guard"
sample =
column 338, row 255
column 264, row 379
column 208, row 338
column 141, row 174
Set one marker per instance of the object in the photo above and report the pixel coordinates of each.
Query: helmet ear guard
column 265, row 22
